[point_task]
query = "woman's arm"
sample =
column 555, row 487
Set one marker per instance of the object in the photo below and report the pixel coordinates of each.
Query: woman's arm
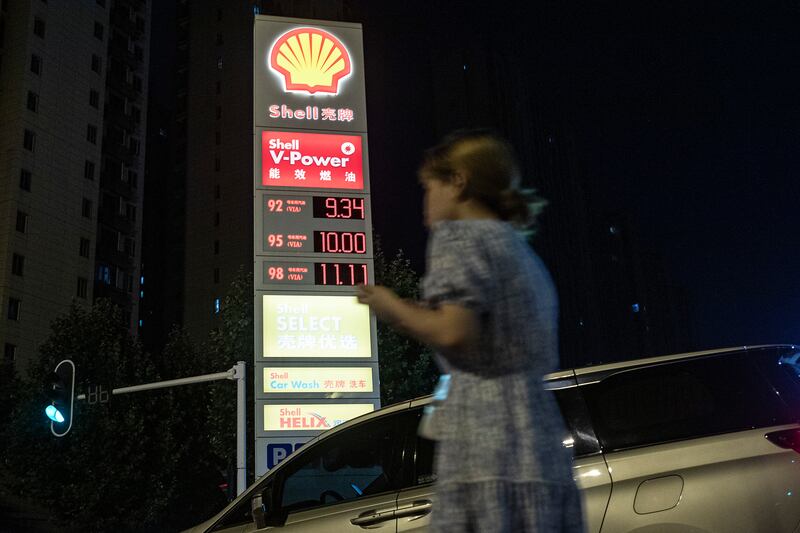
column 447, row 328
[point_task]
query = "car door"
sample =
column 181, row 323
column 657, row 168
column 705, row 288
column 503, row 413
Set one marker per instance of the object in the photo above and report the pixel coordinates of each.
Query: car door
column 685, row 444
column 347, row 482
column 417, row 498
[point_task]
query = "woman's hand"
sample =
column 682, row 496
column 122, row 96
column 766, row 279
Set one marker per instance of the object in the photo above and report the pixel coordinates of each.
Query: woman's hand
column 448, row 328
column 381, row 300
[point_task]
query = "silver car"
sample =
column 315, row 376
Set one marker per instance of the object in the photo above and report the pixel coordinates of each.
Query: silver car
column 698, row 442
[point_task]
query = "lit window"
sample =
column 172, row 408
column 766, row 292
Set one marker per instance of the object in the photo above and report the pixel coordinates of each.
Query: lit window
column 216, row 305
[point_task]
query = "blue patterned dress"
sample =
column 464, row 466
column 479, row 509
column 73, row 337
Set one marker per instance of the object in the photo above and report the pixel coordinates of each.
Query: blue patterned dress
column 500, row 461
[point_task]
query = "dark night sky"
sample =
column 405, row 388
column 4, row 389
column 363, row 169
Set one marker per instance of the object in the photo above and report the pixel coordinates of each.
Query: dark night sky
column 686, row 117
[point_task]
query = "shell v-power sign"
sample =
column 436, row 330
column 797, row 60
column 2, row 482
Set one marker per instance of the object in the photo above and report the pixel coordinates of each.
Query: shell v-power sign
column 316, row 359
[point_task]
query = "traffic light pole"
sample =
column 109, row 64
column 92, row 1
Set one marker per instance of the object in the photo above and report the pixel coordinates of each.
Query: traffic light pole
column 237, row 372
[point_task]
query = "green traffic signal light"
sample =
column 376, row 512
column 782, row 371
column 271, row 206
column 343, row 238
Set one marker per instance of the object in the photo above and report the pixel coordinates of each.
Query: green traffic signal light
column 61, row 393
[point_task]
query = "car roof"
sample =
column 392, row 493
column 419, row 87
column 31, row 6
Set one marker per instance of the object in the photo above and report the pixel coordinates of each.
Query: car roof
column 610, row 368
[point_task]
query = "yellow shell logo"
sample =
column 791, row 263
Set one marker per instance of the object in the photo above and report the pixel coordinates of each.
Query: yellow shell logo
column 310, row 60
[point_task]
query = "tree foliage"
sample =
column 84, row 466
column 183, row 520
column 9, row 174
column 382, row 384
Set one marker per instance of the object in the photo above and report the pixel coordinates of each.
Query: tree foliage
column 152, row 461
column 407, row 369
column 116, row 467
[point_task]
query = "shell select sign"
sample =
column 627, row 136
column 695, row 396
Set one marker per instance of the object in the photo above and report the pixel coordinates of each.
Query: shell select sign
column 315, row 326
column 310, row 60
column 311, row 160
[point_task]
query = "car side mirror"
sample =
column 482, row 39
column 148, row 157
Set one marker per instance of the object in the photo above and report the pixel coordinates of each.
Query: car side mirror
column 260, row 507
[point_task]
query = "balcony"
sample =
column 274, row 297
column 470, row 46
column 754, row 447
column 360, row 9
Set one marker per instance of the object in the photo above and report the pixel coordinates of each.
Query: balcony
column 114, row 184
column 118, row 117
column 120, row 152
column 112, row 218
column 110, row 255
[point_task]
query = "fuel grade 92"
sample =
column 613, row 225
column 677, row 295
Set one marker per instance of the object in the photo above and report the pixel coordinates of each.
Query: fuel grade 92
column 328, row 207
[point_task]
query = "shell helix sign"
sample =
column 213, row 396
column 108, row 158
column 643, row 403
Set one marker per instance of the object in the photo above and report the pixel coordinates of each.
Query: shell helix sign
column 309, row 74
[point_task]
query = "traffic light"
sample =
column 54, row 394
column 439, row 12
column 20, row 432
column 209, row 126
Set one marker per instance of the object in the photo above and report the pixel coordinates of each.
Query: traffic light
column 61, row 393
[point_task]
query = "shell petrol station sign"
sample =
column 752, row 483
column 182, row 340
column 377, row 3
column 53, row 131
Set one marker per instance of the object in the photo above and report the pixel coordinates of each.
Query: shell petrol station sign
column 316, row 360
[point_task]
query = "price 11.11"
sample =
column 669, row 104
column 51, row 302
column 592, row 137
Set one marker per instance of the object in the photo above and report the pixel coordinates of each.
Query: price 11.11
column 340, row 273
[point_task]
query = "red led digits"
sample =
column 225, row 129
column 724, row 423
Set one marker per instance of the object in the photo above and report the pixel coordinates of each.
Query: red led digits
column 275, row 205
column 340, row 273
column 275, row 240
column 340, row 242
column 337, row 207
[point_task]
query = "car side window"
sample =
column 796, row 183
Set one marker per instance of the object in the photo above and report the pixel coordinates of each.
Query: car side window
column 782, row 368
column 681, row 400
column 362, row 461
column 581, row 436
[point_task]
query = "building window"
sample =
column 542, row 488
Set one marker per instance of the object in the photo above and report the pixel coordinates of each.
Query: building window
column 219, row 14
column 136, row 114
column 104, row 274
column 98, row 30
column 91, row 133
column 22, row 222
column 17, row 264
column 84, row 248
column 216, row 247
column 219, row 39
column 101, row 3
column 133, row 146
column 94, row 99
column 130, row 247
column 219, row 63
column 86, row 208
column 88, row 170
column 216, row 218
column 83, row 285
column 38, row 27
column 133, row 178
column 217, row 164
column 97, row 65
column 25, row 179
column 217, row 305
column 217, row 191
column 216, row 275
column 219, row 87
column 29, row 140
column 137, row 83
column 217, row 138
column 36, row 64
column 10, row 352
column 130, row 212
column 14, row 305
column 33, row 101
column 219, row 112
